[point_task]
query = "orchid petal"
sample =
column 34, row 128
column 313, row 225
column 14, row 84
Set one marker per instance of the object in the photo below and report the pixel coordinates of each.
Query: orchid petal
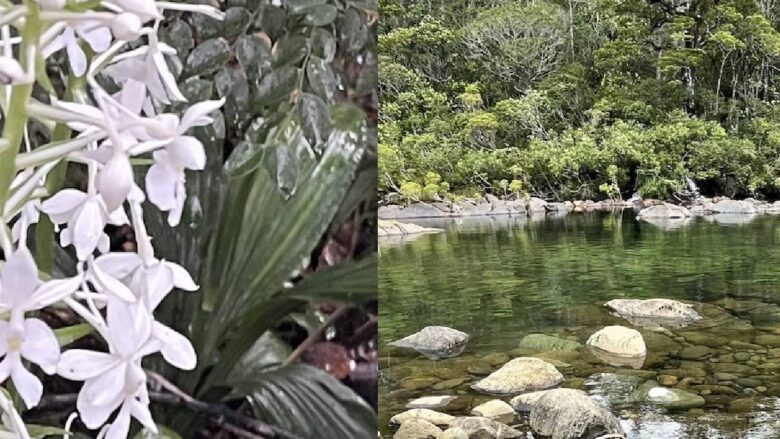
column 181, row 277
column 88, row 228
column 198, row 114
column 19, row 278
column 55, row 290
column 82, row 364
column 27, row 385
column 115, row 181
column 119, row 265
column 177, row 349
column 40, row 345
column 108, row 284
column 62, row 204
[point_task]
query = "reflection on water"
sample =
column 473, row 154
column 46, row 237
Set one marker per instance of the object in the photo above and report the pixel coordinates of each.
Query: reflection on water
column 501, row 278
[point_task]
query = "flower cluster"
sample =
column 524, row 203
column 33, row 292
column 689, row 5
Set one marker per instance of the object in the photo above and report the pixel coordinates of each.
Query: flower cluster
column 115, row 292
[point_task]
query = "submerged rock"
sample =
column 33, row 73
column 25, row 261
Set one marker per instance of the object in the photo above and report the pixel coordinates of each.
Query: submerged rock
column 417, row 429
column 435, row 342
column 484, row 428
column 618, row 346
column 570, row 414
column 547, row 343
column 674, row 399
column 430, row 402
column 431, row 416
column 612, row 389
column 520, row 375
column 653, row 311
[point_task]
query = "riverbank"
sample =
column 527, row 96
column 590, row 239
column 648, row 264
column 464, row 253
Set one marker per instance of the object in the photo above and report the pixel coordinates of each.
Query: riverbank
column 652, row 208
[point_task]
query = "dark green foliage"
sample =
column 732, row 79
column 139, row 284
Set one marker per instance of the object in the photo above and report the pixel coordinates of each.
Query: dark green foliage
column 289, row 152
column 570, row 98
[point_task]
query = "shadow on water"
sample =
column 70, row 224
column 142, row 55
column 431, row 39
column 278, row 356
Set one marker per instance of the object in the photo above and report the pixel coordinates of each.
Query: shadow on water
column 500, row 278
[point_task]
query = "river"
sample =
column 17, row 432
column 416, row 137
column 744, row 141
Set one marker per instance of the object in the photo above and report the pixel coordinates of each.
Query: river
column 502, row 278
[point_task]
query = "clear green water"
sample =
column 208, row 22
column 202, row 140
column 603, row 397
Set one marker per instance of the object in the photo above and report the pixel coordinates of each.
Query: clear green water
column 501, row 278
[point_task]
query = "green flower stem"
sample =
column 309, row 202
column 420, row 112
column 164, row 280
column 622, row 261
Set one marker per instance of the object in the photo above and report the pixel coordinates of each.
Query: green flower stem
column 16, row 116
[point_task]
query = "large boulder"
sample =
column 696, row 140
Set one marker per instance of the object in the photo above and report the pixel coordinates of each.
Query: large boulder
column 417, row 429
column 618, row 346
column 536, row 205
column 733, row 206
column 570, row 414
column 435, row 342
column 556, row 207
column 434, row 417
column 483, row 428
column 654, row 312
column 520, row 375
column 665, row 210
column 547, row 343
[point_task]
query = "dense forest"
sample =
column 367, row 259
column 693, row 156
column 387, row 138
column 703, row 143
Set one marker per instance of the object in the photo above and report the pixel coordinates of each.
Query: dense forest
column 572, row 99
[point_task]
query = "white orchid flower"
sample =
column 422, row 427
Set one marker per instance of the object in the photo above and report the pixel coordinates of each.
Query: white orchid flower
column 21, row 290
column 165, row 181
column 115, row 378
column 152, row 279
column 95, row 33
column 145, row 77
column 86, row 216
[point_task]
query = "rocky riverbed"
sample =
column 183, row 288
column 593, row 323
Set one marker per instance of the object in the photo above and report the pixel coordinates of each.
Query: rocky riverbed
column 692, row 370
column 655, row 211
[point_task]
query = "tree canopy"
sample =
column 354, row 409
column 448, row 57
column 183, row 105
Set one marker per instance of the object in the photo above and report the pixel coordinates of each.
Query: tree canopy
column 579, row 99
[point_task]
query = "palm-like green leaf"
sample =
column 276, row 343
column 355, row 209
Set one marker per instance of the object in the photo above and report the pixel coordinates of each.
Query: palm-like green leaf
column 348, row 282
column 309, row 402
column 264, row 237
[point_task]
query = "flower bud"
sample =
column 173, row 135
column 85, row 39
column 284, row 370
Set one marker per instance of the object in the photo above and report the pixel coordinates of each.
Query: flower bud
column 126, row 26
column 11, row 72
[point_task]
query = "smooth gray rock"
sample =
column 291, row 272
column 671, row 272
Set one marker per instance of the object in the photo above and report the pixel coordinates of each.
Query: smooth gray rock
column 434, row 417
column 435, row 342
column 660, row 309
column 618, row 346
column 417, row 429
column 733, row 206
column 665, row 210
column 520, row 375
